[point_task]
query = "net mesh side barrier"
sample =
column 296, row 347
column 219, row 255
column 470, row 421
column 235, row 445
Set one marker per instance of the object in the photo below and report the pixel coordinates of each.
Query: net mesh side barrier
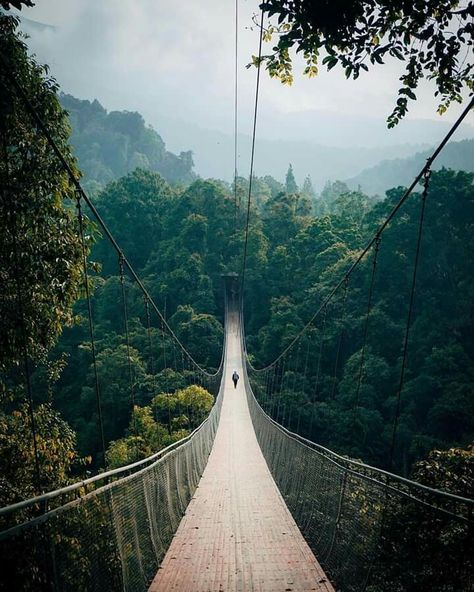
column 370, row 530
column 107, row 533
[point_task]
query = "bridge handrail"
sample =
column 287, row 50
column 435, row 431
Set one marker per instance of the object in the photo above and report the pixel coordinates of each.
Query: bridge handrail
column 344, row 461
column 50, row 495
column 330, row 455
column 45, row 497
column 51, row 512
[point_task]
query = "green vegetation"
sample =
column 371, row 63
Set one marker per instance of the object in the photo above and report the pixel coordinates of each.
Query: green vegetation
column 294, row 258
column 416, row 546
column 401, row 171
column 171, row 417
column 41, row 275
column 110, row 145
column 181, row 240
column 180, row 255
column 302, row 264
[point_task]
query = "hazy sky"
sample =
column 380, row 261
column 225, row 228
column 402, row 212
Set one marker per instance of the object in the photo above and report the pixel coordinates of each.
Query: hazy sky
column 177, row 57
column 173, row 61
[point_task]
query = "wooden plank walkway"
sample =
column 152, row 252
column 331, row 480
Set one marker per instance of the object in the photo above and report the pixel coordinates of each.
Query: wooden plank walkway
column 237, row 534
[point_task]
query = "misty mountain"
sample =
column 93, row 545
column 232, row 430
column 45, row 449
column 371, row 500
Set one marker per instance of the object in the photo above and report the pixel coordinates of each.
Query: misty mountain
column 213, row 154
column 401, row 171
column 324, row 145
column 108, row 145
column 343, row 130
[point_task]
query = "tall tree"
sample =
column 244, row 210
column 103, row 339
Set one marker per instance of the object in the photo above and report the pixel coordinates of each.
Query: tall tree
column 40, row 249
column 40, row 269
column 290, row 183
column 308, row 188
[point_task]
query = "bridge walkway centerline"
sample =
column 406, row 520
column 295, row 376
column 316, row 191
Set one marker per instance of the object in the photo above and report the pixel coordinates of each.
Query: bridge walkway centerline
column 237, row 534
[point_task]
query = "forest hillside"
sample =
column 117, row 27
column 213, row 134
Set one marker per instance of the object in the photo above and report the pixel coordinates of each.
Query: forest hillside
column 400, row 171
column 111, row 144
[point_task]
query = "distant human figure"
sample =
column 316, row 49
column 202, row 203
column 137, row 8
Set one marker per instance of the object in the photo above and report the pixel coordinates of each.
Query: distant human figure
column 235, row 378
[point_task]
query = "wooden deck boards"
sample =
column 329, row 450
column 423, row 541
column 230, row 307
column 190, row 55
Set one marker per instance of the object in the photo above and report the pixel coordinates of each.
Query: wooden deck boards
column 237, row 534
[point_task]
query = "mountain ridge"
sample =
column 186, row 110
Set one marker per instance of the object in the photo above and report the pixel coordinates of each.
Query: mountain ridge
column 390, row 173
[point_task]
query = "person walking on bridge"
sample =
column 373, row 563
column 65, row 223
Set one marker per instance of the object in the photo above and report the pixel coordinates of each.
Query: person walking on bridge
column 235, row 378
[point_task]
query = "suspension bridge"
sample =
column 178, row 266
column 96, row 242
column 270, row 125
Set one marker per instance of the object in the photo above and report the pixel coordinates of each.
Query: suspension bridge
column 240, row 504
column 245, row 502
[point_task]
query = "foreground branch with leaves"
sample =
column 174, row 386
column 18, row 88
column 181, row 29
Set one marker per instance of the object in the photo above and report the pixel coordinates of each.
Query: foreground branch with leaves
column 434, row 39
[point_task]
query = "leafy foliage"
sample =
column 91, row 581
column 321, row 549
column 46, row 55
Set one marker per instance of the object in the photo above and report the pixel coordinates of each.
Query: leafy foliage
column 180, row 253
column 326, row 403
column 417, row 547
column 182, row 240
column 56, row 444
column 433, row 38
column 40, row 255
column 170, row 418
column 7, row 4
column 40, row 271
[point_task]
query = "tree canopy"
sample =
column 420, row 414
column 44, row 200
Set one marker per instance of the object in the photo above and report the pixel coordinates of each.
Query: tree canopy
column 40, row 273
column 112, row 144
column 40, row 250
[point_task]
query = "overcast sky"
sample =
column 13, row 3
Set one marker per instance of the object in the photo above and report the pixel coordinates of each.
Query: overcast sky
column 175, row 60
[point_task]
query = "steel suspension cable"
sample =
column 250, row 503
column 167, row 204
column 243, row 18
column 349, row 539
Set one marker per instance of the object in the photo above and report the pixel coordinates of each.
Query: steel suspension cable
column 318, row 369
column 43, row 128
column 280, row 386
column 378, row 232
column 127, row 343
column 304, row 382
column 150, row 341
column 270, row 374
column 80, row 218
column 163, row 345
column 341, row 336
column 410, row 313
column 276, row 386
column 252, row 157
column 273, row 385
column 236, row 80
column 295, row 378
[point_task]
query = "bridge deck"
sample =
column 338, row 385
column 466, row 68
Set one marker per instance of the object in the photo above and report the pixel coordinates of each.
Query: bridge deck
column 237, row 533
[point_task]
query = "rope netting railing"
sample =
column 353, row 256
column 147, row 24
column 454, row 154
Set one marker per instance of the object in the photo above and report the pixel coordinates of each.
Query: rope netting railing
column 369, row 529
column 109, row 532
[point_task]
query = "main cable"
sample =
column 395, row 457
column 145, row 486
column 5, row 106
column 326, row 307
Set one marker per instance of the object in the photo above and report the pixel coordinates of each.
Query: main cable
column 374, row 238
column 244, row 258
column 90, row 318
column 44, row 129
column 409, row 315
